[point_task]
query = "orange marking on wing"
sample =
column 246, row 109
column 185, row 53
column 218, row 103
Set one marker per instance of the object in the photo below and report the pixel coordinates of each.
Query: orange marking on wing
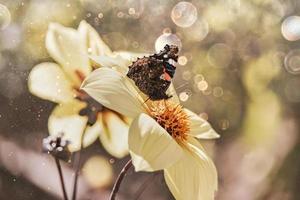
column 167, row 76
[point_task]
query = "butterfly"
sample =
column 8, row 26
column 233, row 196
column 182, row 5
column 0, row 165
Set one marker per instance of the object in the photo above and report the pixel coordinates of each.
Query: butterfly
column 153, row 74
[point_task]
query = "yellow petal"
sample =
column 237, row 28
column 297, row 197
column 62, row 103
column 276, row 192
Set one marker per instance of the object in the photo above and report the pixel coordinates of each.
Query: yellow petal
column 194, row 176
column 114, row 91
column 65, row 119
column 114, row 137
column 47, row 81
column 199, row 127
column 66, row 46
column 151, row 147
column 94, row 44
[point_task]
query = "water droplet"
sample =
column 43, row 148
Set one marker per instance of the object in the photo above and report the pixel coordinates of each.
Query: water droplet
column 219, row 55
column 292, row 62
column 5, row 17
column 182, row 60
column 290, row 28
column 184, row 14
column 167, row 38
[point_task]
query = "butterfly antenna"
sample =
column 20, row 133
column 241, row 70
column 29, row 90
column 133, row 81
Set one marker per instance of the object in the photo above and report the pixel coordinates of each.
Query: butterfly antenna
column 146, row 100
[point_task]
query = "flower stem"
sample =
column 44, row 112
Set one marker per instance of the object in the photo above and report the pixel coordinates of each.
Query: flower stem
column 62, row 182
column 119, row 180
column 78, row 164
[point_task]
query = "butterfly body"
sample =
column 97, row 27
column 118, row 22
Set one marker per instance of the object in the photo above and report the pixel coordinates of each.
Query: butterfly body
column 153, row 74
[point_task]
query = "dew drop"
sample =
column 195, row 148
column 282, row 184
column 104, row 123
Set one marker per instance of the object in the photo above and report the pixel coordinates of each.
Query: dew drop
column 184, row 14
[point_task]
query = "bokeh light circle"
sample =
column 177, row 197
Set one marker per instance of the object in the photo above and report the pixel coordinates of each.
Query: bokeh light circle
column 290, row 28
column 198, row 31
column 184, row 14
column 219, row 55
column 186, row 75
column 218, row 91
column 182, row 60
column 185, row 95
column 5, row 17
column 98, row 171
column 198, row 78
column 167, row 38
column 202, row 85
column 292, row 62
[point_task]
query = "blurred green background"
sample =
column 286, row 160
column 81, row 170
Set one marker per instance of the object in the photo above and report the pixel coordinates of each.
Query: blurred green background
column 239, row 68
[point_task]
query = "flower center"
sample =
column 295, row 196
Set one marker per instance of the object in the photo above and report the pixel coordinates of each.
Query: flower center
column 93, row 107
column 172, row 118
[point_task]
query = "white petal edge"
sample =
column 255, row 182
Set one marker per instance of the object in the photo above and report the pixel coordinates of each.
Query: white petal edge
column 65, row 119
column 48, row 81
column 172, row 92
column 114, row 91
column 114, row 137
column 66, row 47
column 115, row 62
column 151, row 147
column 130, row 56
column 200, row 128
column 94, row 44
column 194, row 176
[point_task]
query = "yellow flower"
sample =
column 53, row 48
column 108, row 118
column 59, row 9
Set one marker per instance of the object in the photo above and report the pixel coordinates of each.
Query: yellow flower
column 60, row 83
column 162, row 136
